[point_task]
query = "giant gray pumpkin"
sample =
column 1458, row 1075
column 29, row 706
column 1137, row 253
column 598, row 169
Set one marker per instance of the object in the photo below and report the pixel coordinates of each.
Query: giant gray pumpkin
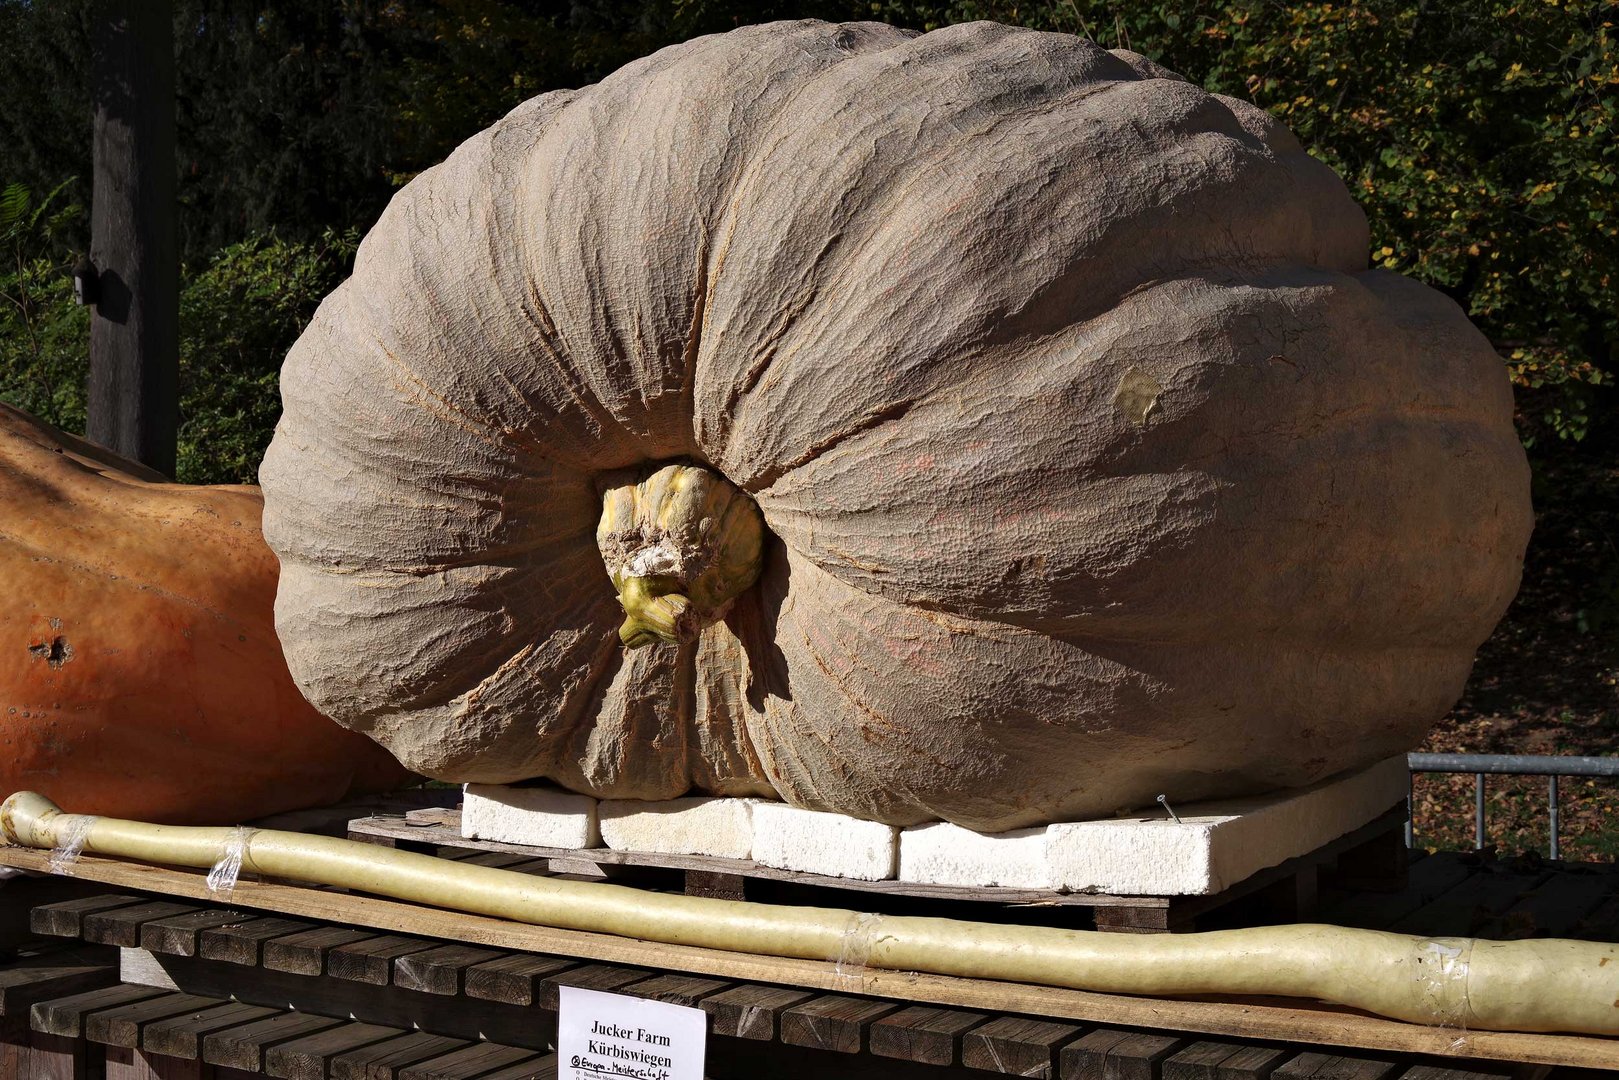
column 1093, row 462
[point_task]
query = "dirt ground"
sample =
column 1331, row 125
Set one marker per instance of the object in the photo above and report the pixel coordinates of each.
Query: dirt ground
column 1547, row 682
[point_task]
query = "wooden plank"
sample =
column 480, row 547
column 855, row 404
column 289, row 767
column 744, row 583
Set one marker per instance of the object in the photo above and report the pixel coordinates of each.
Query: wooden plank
column 243, row 942
column 473, row 1061
column 749, row 1011
column 1209, row 1060
column 1300, row 1022
column 181, row 1036
column 1427, row 880
column 178, row 936
column 128, row 1063
column 121, row 926
column 383, row 1060
column 242, row 1047
column 66, row 919
column 513, row 978
column 1016, row 1045
column 832, row 1022
column 1601, row 924
column 498, row 860
column 57, row 1057
column 65, row 1016
column 1114, row 1054
column 14, row 1053
column 307, row 1058
column 606, row 977
column 544, row 1069
column 676, row 989
column 439, row 970
column 535, row 867
column 1159, row 918
column 1381, row 863
column 122, row 1026
column 37, row 978
column 1315, row 1066
column 371, row 960
column 1554, row 907
column 1435, row 1072
column 390, row 1006
column 924, row 1034
column 718, row 886
column 305, row 953
column 1468, row 905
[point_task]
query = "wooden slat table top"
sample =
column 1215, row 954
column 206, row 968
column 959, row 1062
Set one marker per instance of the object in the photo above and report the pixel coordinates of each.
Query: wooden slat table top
column 52, row 975
column 242, row 942
column 121, row 1026
column 1017, row 1045
column 1216, row 1060
column 833, row 1022
column 304, row 952
column 309, row 1057
column 371, row 960
column 749, row 1011
column 1115, row 1054
column 1314, row 1066
column 65, row 1016
column 181, row 1036
column 477, row 1060
column 122, row 925
column 606, row 962
column 66, row 919
column 514, row 978
column 687, row 990
column 1554, row 907
column 925, row 1034
column 178, row 936
column 439, row 970
column 242, row 1047
column 543, row 1069
column 1470, row 904
column 383, row 1060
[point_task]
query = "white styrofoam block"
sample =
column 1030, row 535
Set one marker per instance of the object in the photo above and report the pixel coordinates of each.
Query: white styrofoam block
column 1217, row 844
column 693, row 826
column 944, row 854
column 818, row 843
column 537, row 816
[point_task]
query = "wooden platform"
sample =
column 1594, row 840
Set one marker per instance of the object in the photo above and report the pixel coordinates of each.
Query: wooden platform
column 1371, row 856
column 385, row 979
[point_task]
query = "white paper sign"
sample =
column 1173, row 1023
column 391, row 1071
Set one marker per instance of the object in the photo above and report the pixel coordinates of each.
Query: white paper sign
column 601, row 1036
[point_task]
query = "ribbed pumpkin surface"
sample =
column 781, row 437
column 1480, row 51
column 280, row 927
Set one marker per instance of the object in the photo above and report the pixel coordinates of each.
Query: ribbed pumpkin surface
column 1095, row 463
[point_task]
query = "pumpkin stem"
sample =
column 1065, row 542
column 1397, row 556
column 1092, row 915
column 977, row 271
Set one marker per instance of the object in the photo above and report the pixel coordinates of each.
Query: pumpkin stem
column 679, row 546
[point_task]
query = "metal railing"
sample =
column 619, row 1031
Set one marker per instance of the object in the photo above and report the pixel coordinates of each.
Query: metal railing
column 1550, row 766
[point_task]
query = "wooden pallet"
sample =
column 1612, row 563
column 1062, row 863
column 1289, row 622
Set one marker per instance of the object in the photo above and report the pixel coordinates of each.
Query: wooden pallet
column 1372, row 856
column 205, row 998
column 329, row 952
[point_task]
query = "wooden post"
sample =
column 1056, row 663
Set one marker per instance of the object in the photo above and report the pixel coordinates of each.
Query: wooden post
column 133, row 402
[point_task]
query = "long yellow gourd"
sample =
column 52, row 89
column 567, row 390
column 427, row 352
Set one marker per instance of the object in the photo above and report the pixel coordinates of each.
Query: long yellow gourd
column 1545, row 985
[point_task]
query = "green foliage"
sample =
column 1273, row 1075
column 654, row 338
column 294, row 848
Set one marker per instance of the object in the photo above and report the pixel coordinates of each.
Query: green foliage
column 1480, row 135
column 238, row 318
column 43, row 333
column 239, row 315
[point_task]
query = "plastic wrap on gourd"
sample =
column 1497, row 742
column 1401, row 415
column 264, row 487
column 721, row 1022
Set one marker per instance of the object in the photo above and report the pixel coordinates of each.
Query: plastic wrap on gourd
column 1092, row 461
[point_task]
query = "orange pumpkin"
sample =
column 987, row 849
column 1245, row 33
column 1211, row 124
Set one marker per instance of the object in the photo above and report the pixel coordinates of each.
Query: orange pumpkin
column 141, row 675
